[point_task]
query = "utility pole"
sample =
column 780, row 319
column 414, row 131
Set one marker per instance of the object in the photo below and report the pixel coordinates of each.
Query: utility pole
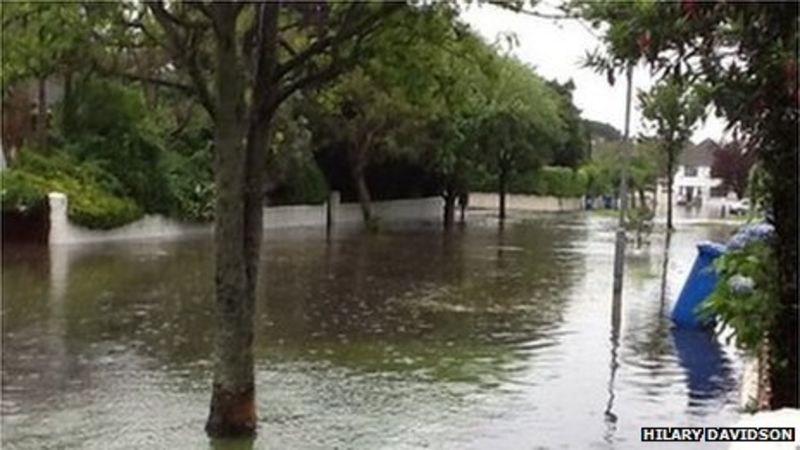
column 619, row 248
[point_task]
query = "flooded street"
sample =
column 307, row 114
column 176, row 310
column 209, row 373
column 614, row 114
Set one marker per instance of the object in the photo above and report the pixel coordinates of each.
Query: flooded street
column 487, row 337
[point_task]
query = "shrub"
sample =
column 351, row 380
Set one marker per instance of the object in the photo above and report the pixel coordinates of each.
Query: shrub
column 744, row 298
column 27, row 184
column 191, row 184
column 109, row 127
column 550, row 180
column 304, row 184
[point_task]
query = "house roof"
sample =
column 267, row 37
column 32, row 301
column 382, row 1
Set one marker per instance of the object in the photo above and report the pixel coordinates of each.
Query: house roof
column 701, row 154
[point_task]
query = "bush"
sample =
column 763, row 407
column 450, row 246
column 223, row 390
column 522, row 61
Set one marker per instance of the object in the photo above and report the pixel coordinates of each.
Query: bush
column 552, row 181
column 191, row 184
column 109, row 127
column 90, row 204
column 744, row 298
column 304, row 184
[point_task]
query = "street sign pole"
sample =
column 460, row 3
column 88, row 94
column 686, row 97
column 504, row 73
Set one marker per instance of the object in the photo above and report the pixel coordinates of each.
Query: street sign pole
column 619, row 248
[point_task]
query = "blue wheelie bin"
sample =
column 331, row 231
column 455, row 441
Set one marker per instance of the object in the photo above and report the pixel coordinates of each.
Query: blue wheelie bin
column 700, row 283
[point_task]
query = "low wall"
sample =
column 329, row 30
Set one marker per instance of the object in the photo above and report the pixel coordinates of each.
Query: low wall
column 294, row 216
column 430, row 208
column 62, row 231
column 483, row 200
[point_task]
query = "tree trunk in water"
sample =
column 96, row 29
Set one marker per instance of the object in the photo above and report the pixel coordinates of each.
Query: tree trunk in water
column 449, row 209
column 670, row 162
column 41, row 114
column 239, row 173
column 362, row 190
column 501, row 189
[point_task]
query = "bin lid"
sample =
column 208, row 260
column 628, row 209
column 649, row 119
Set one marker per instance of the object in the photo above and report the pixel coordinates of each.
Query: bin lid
column 711, row 248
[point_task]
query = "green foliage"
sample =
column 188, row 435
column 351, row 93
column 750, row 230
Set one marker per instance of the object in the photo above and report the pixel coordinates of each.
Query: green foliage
column 546, row 181
column 753, row 312
column 758, row 183
column 27, row 184
column 305, row 184
column 674, row 110
column 38, row 39
column 560, row 182
column 576, row 146
column 191, row 185
column 600, row 178
column 108, row 126
column 602, row 130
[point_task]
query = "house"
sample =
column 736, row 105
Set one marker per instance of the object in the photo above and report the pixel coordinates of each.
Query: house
column 692, row 183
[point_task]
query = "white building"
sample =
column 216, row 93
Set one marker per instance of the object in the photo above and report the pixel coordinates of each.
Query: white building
column 692, row 183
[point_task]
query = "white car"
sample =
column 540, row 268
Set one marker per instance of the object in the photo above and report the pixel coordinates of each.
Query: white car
column 739, row 207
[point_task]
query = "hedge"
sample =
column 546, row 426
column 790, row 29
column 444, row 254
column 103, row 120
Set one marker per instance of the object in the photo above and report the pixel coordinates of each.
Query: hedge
column 547, row 181
column 27, row 184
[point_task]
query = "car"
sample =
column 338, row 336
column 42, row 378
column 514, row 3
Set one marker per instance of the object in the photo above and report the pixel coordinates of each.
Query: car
column 739, row 207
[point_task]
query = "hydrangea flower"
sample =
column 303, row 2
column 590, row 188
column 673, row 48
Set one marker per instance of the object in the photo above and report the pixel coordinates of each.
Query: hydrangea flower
column 742, row 285
column 753, row 232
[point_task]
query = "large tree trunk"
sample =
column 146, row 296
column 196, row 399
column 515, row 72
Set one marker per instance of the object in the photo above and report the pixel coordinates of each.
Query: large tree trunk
column 502, row 179
column 670, row 179
column 239, row 165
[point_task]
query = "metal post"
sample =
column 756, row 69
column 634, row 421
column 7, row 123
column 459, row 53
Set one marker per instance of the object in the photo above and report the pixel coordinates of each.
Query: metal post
column 619, row 248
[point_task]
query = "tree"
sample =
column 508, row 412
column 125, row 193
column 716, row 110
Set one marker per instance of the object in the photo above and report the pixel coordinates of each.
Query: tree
column 383, row 109
column 732, row 164
column 576, row 147
column 460, row 72
column 41, row 40
column 373, row 119
column 520, row 125
column 602, row 130
column 747, row 54
column 674, row 111
column 240, row 62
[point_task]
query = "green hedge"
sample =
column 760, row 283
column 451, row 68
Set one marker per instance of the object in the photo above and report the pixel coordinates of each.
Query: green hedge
column 547, row 181
column 91, row 204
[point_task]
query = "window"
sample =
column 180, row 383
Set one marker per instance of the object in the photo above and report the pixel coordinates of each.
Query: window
column 690, row 171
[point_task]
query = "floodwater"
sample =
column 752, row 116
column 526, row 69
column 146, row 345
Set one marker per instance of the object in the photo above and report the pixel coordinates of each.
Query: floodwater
column 487, row 337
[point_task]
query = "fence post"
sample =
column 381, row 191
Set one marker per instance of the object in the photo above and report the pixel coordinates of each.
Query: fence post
column 58, row 228
column 332, row 206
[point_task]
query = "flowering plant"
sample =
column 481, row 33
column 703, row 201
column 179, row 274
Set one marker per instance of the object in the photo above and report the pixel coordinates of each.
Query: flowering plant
column 743, row 298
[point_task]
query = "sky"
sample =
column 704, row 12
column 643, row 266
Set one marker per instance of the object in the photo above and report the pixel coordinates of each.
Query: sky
column 556, row 50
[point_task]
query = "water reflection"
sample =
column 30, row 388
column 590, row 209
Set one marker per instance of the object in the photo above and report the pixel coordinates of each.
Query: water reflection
column 231, row 444
column 708, row 373
column 481, row 337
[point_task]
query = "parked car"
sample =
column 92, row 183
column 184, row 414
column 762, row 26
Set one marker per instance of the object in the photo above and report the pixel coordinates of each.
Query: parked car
column 739, row 207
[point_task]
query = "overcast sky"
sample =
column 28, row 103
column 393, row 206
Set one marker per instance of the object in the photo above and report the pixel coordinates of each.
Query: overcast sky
column 556, row 50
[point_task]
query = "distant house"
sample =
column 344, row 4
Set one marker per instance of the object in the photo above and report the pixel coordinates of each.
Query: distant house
column 693, row 183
